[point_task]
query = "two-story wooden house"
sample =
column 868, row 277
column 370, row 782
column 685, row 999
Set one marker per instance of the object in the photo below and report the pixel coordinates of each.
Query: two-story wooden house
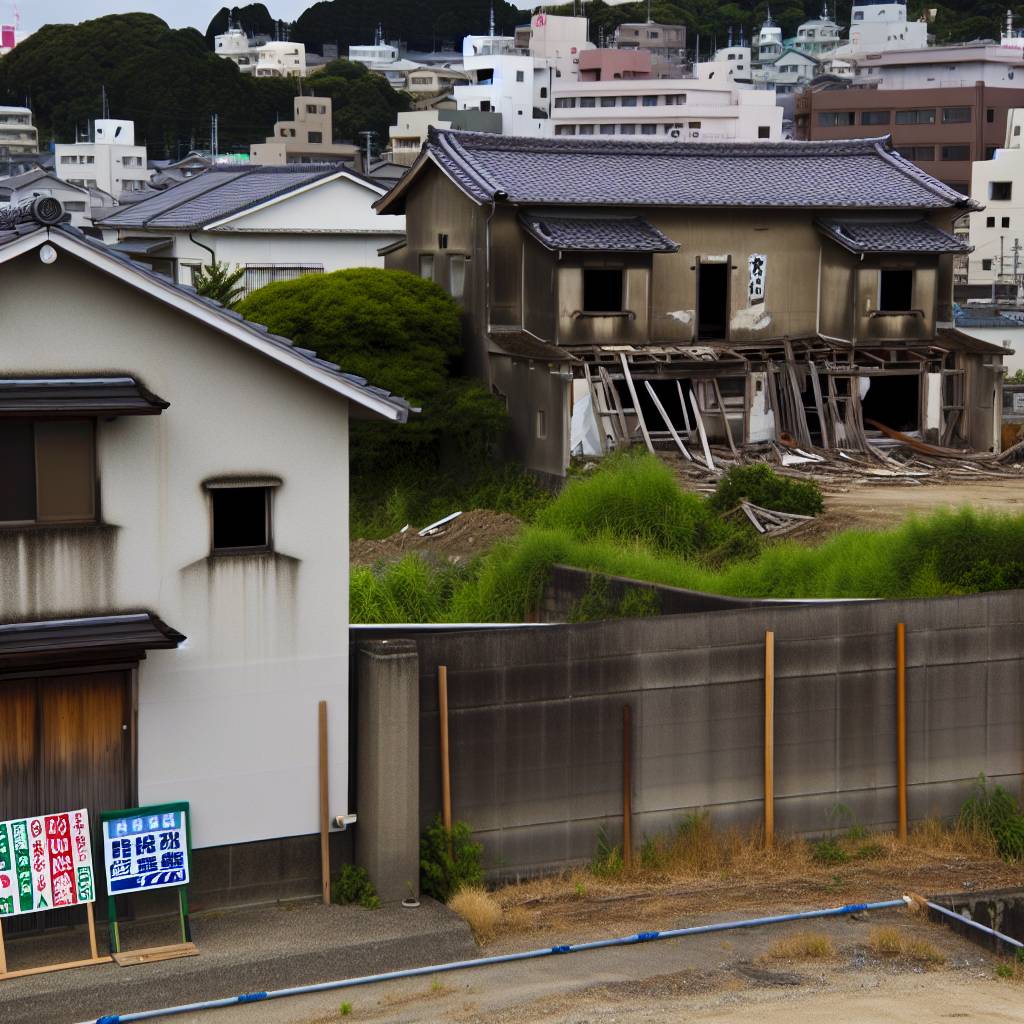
column 762, row 289
column 173, row 556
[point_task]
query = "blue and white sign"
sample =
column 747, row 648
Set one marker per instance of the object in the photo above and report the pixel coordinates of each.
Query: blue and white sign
column 146, row 849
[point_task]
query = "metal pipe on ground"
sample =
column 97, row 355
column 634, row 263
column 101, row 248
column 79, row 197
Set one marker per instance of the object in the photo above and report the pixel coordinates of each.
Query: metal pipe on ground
column 530, row 954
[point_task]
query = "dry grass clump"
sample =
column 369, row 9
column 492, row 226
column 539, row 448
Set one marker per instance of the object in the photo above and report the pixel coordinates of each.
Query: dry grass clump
column 485, row 914
column 480, row 910
column 802, row 946
column 891, row 942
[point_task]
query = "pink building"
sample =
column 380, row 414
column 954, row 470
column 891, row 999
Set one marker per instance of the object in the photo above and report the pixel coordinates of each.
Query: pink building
column 607, row 65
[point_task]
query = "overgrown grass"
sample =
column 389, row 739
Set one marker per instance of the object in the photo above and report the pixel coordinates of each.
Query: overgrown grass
column 892, row 942
column 802, row 946
column 760, row 485
column 993, row 812
column 629, row 518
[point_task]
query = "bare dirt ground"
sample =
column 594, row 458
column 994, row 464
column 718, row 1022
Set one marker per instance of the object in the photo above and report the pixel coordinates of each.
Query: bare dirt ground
column 473, row 533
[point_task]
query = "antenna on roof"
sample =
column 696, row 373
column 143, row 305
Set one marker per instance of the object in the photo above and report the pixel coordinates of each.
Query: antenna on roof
column 491, row 23
column 730, row 37
column 104, row 106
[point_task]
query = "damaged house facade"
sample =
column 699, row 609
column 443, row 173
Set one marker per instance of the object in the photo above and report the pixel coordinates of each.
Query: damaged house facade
column 669, row 294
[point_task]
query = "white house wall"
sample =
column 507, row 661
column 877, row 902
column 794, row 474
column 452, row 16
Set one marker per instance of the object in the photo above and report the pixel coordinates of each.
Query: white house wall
column 229, row 720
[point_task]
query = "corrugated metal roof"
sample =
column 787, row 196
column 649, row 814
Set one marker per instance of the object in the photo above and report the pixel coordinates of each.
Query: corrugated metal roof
column 854, row 174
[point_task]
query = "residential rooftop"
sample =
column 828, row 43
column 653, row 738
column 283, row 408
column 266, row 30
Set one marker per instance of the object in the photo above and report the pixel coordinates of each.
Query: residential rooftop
column 861, row 174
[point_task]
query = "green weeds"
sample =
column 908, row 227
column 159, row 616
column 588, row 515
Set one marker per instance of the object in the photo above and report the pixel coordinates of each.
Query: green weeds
column 993, row 812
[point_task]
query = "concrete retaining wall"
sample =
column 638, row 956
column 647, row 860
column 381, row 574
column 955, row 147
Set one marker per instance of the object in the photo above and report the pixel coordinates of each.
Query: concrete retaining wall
column 537, row 738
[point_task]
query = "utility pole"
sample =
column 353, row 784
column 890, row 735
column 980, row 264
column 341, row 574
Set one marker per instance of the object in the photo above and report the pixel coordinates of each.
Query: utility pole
column 368, row 135
column 104, row 106
column 214, row 140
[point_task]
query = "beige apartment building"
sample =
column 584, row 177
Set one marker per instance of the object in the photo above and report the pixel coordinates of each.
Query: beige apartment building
column 307, row 139
column 17, row 133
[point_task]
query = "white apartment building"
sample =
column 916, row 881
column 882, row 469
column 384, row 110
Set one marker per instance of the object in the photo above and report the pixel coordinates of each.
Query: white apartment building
column 956, row 66
column 273, row 59
column 378, row 53
column 17, row 133
column 661, row 109
column 112, row 163
column 877, row 28
column 997, row 231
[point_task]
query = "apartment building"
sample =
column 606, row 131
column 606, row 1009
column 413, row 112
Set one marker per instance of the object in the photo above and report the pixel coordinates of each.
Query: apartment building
column 18, row 135
column 308, row 138
column 664, row 42
column 261, row 57
column 112, row 162
column 944, row 130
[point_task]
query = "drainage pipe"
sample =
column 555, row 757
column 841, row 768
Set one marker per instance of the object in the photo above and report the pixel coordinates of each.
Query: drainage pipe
column 530, row 954
column 960, row 919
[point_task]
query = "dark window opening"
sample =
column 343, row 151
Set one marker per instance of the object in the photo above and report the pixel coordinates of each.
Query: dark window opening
column 241, row 518
column 442, row 241
column 1000, row 190
column 874, row 117
column 712, row 300
column 990, row 116
column 990, row 222
column 1005, row 222
column 668, row 392
column 764, row 131
column 316, row 137
column 49, row 471
column 986, row 264
column 894, row 401
column 602, row 290
column 896, row 294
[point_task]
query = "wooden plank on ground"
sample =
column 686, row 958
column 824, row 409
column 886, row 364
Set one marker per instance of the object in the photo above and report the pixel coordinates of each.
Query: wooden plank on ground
column 154, row 954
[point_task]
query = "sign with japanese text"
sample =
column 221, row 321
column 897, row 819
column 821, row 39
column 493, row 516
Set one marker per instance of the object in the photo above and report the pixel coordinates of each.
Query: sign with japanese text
column 757, row 264
column 146, row 848
column 45, row 863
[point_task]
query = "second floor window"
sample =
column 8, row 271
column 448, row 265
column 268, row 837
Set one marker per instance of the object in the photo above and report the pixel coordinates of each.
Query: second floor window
column 1000, row 190
column 49, row 471
column 896, row 291
column 602, row 289
column 836, row 118
column 241, row 519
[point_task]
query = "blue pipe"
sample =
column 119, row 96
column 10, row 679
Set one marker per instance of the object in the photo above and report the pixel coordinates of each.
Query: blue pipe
column 530, row 954
column 975, row 924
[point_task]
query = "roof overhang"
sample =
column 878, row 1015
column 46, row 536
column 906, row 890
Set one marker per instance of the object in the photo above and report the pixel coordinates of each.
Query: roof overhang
column 142, row 246
column 596, row 233
column 77, row 396
column 126, row 636
column 222, row 320
column 879, row 237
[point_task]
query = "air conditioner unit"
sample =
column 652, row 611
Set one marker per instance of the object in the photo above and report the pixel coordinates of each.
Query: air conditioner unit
column 695, row 135
column 674, row 134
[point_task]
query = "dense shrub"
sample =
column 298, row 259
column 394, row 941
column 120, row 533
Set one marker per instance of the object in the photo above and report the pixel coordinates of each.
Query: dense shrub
column 992, row 811
column 352, row 885
column 760, row 485
column 449, row 860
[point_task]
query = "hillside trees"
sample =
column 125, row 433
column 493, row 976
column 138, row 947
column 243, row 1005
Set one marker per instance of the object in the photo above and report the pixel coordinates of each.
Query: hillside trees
column 255, row 19
column 169, row 83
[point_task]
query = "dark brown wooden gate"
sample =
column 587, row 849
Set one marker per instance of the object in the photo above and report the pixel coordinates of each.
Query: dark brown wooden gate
column 65, row 743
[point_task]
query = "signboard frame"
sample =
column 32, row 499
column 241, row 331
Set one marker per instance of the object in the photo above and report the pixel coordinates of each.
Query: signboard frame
column 94, row 957
column 181, row 806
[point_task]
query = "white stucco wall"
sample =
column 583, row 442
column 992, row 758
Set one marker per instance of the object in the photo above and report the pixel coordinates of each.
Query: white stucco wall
column 229, row 720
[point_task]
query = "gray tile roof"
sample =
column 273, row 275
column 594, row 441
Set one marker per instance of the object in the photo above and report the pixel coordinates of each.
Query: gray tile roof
column 360, row 384
column 528, row 346
column 596, row 234
column 854, row 174
column 892, row 236
column 215, row 194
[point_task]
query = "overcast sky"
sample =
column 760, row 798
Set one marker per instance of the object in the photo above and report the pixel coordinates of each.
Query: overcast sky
column 177, row 13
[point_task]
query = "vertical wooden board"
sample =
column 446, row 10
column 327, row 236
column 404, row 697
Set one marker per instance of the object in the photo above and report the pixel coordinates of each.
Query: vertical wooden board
column 19, row 749
column 85, row 743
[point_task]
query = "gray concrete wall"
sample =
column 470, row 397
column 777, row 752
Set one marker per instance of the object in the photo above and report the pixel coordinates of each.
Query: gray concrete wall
column 536, row 718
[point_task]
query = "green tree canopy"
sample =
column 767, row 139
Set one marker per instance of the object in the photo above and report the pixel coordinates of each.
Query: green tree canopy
column 400, row 332
column 362, row 100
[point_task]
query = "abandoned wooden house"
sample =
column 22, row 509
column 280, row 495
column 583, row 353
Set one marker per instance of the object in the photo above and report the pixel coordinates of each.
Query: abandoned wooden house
column 617, row 292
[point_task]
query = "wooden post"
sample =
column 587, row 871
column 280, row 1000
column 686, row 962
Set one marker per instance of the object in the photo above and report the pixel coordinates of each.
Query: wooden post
column 627, row 786
column 446, row 781
column 901, row 726
column 3, row 952
column 91, row 918
column 769, row 738
column 325, row 822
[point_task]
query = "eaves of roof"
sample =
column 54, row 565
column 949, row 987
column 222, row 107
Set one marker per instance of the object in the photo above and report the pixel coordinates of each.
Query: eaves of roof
column 366, row 399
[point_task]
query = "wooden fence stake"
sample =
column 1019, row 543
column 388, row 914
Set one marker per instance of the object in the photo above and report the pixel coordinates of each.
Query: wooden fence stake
column 91, row 917
column 325, row 822
column 769, row 738
column 446, row 780
column 3, row 952
column 901, row 726
column 627, row 786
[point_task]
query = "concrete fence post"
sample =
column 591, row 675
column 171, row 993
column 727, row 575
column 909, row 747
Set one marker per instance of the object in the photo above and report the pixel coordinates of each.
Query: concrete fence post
column 769, row 738
column 387, row 834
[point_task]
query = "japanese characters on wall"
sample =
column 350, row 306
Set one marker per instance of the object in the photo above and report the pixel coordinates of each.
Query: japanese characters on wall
column 45, row 863
column 146, row 848
column 757, row 266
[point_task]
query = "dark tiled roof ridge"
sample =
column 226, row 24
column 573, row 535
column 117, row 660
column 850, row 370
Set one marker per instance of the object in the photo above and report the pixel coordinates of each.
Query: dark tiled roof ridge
column 217, row 308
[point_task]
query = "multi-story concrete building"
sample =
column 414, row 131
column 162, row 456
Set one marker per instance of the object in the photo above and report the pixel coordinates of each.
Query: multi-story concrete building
column 942, row 129
column 18, row 135
column 308, row 138
column 112, row 162
column 408, row 135
column 666, row 43
column 882, row 26
column 260, row 57
column 944, row 67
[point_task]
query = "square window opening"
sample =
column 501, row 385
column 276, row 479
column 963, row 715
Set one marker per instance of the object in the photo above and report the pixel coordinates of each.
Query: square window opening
column 241, row 518
column 602, row 289
column 896, row 291
column 1000, row 190
column 1005, row 222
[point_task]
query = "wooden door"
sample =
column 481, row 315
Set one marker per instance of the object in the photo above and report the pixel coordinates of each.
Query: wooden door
column 65, row 743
